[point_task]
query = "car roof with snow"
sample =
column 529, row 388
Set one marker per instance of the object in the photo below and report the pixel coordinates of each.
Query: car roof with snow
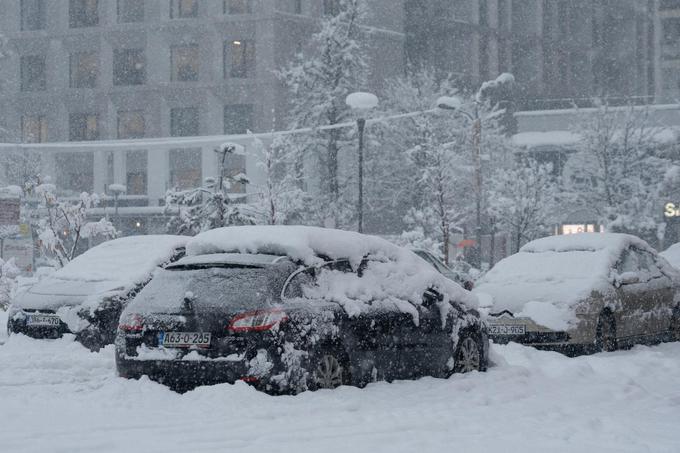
column 242, row 259
column 127, row 260
column 403, row 274
column 558, row 269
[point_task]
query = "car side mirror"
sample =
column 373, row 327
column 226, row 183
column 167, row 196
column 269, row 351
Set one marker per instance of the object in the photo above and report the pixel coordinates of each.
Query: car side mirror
column 627, row 278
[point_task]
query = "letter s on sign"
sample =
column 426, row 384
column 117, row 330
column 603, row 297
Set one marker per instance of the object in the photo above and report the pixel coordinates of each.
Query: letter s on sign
column 670, row 210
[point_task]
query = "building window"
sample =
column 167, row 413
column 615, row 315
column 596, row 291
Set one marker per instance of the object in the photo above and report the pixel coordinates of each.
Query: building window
column 185, row 168
column 131, row 124
column 130, row 11
column 237, row 7
column 75, row 171
column 182, row 9
column 33, row 129
column 83, row 127
column 331, row 7
column 84, row 70
column 238, row 118
column 83, row 13
column 669, row 4
column 33, row 73
column 239, row 58
column 297, row 6
column 184, row 122
column 136, row 163
column 671, row 30
column 185, row 63
column 33, row 14
column 129, row 67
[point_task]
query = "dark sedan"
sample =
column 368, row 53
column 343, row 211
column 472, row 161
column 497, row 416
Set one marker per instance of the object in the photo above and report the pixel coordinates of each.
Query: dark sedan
column 287, row 327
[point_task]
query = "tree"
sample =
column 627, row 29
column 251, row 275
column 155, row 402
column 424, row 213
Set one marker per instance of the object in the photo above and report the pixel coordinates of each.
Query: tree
column 282, row 199
column 8, row 281
column 61, row 225
column 618, row 170
column 205, row 208
column 319, row 81
column 524, row 199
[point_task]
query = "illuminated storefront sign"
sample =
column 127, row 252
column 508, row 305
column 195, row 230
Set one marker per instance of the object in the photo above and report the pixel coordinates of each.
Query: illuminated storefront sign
column 671, row 210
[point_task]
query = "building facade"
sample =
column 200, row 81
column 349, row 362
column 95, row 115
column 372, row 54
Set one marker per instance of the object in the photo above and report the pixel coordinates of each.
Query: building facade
column 99, row 78
column 560, row 51
column 668, row 36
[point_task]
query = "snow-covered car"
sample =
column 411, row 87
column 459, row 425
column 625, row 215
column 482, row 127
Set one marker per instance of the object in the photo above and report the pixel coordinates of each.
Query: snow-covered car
column 672, row 255
column 87, row 296
column 291, row 308
column 457, row 275
column 582, row 293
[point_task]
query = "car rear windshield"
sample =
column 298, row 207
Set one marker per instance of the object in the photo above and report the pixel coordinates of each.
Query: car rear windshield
column 211, row 286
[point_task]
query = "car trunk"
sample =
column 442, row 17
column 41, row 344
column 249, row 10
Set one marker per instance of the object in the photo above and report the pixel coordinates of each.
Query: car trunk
column 202, row 300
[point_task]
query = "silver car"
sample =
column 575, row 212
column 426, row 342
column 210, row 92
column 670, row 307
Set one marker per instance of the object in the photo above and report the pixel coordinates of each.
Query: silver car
column 583, row 293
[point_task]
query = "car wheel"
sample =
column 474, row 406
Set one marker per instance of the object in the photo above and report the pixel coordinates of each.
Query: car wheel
column 91, row 339
column 675, row 325
column 605, row 335
column 468, row 355
column 330, row 369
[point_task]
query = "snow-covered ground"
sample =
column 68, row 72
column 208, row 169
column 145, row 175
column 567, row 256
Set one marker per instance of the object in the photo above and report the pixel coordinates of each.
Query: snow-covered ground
column 56, row 396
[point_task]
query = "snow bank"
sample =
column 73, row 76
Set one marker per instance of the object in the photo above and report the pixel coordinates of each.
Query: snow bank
column 57, row 396
column 404, row 275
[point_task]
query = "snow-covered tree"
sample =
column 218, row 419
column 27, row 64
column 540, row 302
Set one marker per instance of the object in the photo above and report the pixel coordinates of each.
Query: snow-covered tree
column 8, row 281
column 319, row 81
column 618, row 172
column 524, row 199
column 61, row 224
column 211, row 206
column 282, row 199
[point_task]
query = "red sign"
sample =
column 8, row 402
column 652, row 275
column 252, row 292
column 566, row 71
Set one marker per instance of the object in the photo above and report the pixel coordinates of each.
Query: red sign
column 467, row 243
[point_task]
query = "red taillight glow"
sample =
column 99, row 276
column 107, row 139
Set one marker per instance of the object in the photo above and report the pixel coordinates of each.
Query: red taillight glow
column 257, row 321
column 131, row 322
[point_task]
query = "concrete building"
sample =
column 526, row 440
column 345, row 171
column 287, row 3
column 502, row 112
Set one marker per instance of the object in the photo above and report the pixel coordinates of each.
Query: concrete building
column 560, row 51
column 668, row 37
column 95, row 71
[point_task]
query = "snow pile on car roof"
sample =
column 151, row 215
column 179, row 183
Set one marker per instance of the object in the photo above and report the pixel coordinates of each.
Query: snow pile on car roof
column 585, row 242
column 126, row 261
column 403, row 276
column 550, row 275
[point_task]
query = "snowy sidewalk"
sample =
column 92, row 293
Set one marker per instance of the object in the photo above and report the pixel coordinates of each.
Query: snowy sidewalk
column 55, row 396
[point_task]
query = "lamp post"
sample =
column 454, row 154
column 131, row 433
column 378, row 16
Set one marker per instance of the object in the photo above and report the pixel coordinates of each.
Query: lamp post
column 488, row 90
column 116, row 190
column 361, row 102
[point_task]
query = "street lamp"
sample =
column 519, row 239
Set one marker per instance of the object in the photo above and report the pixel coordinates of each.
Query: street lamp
column 224, row 149
column 116, row 190
column 488, row 90
column 361, row 102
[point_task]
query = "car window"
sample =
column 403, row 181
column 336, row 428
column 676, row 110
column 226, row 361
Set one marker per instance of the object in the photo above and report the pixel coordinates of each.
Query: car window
column 297, row 281
column 628, row 262
column 650, row 265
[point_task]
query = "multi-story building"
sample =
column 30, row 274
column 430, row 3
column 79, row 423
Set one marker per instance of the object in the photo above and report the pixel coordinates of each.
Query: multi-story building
column 560, row 51
column 95, row 71
column 668, row 36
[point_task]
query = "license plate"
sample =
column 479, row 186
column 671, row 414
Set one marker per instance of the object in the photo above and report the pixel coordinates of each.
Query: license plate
column 507, row 329
column 43, row 320
column 184, row 339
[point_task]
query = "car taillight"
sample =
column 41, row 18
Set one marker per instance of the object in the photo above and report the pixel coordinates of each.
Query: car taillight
column 257, row 321
column 131, row 322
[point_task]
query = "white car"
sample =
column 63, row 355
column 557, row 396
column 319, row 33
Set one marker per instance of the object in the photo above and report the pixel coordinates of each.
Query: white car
column 86, row 296
column 582, row 293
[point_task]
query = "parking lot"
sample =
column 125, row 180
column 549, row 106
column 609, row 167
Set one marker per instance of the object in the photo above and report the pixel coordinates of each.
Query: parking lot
column 57, row 396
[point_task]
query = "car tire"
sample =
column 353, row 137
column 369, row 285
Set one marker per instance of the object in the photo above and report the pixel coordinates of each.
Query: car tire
column 605, row 333
column 675, row 324
column 91, row 339
column 329, row 369
column 469, row 354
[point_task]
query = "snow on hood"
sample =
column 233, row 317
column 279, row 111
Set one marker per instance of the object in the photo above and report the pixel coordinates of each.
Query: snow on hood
column 113, row 267
column 550, row 275
column 402, row 275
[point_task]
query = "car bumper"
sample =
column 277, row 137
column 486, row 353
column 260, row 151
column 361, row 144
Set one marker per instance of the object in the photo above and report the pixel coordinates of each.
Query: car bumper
column 17, row 323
